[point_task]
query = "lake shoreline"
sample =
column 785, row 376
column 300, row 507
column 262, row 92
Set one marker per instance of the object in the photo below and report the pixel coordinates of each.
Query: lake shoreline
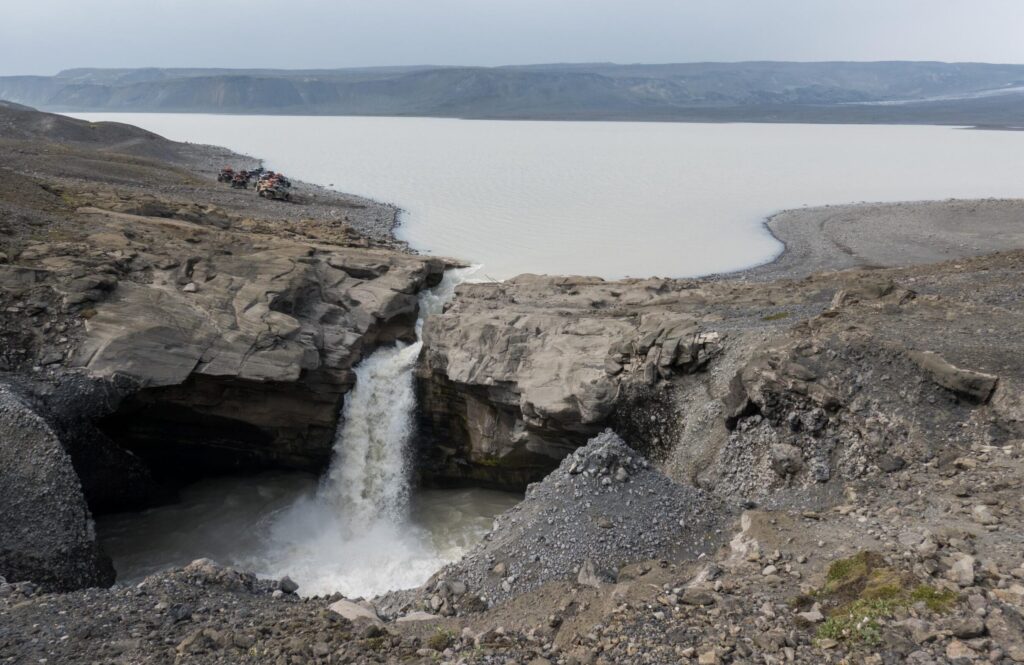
column 885, row 235
column 832, row 237
column 606, row 200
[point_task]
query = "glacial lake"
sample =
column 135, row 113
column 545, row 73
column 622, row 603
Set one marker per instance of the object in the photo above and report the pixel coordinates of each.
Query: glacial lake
column 611, row 199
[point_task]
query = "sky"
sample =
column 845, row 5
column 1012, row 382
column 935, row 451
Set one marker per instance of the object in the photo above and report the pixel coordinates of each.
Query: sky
column 45, row 36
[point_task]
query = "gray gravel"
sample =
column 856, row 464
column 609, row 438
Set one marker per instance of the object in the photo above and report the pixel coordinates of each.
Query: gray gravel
column 605, row 506
column 888, row 235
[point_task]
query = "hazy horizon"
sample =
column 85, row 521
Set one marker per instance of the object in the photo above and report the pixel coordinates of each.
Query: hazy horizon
column 430, row 65
column 45, row 37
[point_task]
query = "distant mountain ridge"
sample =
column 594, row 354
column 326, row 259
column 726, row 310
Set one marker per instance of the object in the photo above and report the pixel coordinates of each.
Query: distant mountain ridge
column 927, row 92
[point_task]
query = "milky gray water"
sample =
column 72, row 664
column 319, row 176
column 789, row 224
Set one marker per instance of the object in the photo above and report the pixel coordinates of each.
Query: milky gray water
column 242, row 522
column 609, row 198
column 361, row 529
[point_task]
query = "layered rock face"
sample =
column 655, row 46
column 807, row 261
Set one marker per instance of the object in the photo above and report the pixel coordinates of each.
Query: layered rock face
column 240, row 352
column 517, row 375
column 235, row 349
column 754, row 390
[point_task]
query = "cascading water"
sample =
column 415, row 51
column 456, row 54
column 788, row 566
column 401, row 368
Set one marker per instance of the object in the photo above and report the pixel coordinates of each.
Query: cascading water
column 361, row 530
column 367, row 480
column 354, row 535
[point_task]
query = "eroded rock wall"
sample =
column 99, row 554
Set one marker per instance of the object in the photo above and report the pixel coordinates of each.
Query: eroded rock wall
column 247, row 354
column 758, row 392
column 517, row 375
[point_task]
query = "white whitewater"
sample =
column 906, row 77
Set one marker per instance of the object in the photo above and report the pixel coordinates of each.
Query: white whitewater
column 355, row 534
column 368, row 480
column 362, row 530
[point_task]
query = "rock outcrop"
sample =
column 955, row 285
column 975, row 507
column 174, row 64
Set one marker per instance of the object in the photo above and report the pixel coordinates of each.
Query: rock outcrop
column 224, row 325
column 517, row 375
column 245, row 349
column 743, row 387
column 237, row 349
column 47, row 535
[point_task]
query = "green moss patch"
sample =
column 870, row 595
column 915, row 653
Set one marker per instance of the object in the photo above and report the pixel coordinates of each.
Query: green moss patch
column 777, row 316
column 934, row 599
column 440, row 640
column 861, row 591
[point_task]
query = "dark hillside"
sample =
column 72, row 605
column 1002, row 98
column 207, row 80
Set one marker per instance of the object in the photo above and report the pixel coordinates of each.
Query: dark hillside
column 875, row 92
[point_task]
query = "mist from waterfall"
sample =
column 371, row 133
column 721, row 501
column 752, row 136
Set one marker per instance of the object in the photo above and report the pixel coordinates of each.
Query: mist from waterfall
column 354, row 535
column 361, row 529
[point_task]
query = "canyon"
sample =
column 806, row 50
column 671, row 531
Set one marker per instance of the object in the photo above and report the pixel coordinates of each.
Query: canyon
column 159, row 328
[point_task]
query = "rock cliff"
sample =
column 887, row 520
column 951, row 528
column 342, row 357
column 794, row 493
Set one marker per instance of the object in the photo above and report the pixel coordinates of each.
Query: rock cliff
column 747, row 387
column 239, row 351
column 164, row 327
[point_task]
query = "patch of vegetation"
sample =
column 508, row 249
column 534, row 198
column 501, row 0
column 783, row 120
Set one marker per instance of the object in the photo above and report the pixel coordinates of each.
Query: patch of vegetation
column 440, row 640
column 375, row 643
column 862, row 591
column 848, row 577
column 858, row 622
column 777, row 316
column 934, row 600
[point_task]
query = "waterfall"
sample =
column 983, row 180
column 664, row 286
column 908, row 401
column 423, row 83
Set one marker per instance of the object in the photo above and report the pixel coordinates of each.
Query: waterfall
column 368, row 479
column 353, row 535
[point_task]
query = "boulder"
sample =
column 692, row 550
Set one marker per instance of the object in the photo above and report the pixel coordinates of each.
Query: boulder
column 962, row 570
column 354, row 612
column 786, row 460
column 47, row 534
column 973, row 385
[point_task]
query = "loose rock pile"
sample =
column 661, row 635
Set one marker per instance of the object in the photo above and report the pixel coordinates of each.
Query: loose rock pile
column 603, row 507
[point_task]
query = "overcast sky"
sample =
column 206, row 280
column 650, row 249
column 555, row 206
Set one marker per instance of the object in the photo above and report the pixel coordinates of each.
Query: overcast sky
column 44, row 36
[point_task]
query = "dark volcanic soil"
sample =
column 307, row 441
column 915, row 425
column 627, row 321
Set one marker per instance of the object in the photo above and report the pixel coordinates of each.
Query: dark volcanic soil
column 831, row 472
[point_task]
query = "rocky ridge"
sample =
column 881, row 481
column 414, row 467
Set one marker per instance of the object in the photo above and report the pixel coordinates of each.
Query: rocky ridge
column 168, row 327
column 868, row 424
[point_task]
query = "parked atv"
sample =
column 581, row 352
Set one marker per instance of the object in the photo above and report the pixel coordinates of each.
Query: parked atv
column 271, row 188
column 227, row 174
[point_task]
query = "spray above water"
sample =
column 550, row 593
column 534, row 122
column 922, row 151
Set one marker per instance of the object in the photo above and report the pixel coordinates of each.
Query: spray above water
column 361, row 530
column 354, row 535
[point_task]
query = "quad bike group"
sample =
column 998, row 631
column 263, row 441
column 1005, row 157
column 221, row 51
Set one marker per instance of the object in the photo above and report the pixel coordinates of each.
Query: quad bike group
column 269, row 185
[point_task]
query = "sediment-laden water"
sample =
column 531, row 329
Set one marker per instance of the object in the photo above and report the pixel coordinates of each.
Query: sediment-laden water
column 361, row 529
column 609, row 198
